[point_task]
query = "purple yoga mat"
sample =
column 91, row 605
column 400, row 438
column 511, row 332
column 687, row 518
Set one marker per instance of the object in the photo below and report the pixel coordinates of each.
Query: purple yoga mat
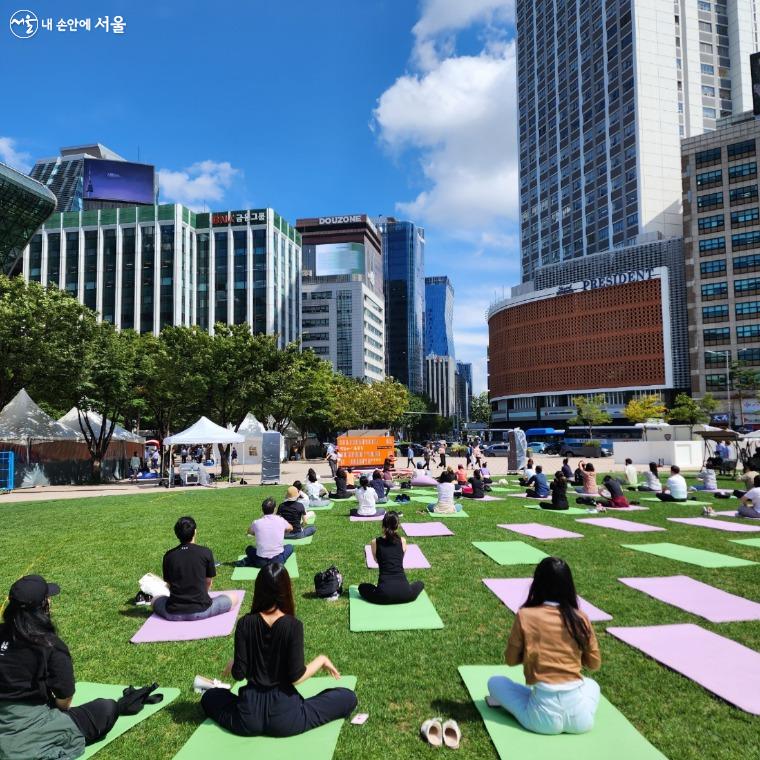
column 729, row 513
column 709, row 522
column 414, row 559
column 698, row 598
column 373, row 518
column 720, row 665
column 155, row 628
column 615, row 524
column 537, row 530
column 514, row 591
column 426, row 529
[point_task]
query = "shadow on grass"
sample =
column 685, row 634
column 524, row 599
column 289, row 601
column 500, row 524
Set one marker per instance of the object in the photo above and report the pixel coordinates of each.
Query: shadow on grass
column 143, row 612
column 462, row 712
column 186, row 712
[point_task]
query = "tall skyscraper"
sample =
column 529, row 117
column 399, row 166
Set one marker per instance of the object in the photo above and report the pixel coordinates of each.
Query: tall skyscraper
column 464, row 391
column 606, row 90
column 404, row 284
column 440, row 364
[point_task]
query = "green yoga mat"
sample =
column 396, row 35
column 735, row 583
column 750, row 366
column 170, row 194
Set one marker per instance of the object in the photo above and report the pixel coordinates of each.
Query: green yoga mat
column 747, row 541
column 87, row 691
column 209, row 740
column 320, row 509
column 412, row 616
column 699, row 557
column 506, row 489
column 568, row 511
column 250, row 573
column 510, row 552
column 611, row 737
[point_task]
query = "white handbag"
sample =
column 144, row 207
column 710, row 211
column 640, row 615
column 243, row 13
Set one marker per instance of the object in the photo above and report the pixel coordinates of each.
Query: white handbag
column 154, row 586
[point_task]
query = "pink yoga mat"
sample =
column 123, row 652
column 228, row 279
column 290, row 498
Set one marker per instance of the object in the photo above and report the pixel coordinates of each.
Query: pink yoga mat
column 720, row 665
column 155, row 628
column 709, row 522
column 537, row 530
column 698, row 598
column 372, row 518
column 514, row 591
column 426, row 529
column 631, row 508
column 414, row 559
column 615, row 524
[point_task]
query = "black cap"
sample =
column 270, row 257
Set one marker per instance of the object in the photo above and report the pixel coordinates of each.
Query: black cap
column 32, row 590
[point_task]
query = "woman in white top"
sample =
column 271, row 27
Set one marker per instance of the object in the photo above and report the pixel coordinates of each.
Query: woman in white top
column 528, row 473
column 750, row 506
column 302, row 496
column 445, row 504
column 316, row 492
column 708, row 477
column 651, row 479
column 367, row 498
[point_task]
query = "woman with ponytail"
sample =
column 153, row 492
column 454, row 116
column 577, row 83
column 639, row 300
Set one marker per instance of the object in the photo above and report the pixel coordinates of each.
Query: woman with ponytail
column 553, row 640
column 388, row 551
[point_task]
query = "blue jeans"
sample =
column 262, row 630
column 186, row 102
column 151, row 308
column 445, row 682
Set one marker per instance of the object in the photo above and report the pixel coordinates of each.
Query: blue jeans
column 219, row 605
column 253, row 560
column 308, row 530
column 548, row 708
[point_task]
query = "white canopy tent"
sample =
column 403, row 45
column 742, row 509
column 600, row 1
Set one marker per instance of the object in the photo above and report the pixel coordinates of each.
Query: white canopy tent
column 71, row 420
column 202, row 432
column 253, row 432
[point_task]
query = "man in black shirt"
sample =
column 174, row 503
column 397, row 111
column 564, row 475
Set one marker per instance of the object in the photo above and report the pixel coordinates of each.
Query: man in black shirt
column 188, row 570
column 295, row 513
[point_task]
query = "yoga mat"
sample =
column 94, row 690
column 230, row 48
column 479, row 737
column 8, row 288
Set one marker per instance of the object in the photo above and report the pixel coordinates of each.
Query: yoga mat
column 87, row 691
column 209, row 740
column 630, row 508
column 746, row 541
column 250, row 573
column 415, row 530
column 293, row 541
column 414, row 559
column 688, row 502
column 514, row 591
column 699, row 557
column 372, row 518
column 510, row 552
column 461, row 513
column 537, row 530
column 709, row 522
column 320, row 509
column 611, row 737
column 701, row 599
column 412, row 616
column 729, row 670
column 568, row 511
column 730, row 513
column 155, row 628
column 613, row 523
column 504, row 489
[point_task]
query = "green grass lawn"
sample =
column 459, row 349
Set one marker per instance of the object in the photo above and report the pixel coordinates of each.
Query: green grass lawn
column 98, row 548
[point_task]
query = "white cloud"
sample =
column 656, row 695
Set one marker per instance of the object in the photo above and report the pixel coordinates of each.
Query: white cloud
column 203, row 183
column 12, row 156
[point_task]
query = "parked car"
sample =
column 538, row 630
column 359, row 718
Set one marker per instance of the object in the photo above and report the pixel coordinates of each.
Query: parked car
column 496, row 450
column 553, row 448
column 537, row 447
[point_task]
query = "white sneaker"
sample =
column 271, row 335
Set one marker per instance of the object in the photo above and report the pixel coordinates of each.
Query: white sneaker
column 201, row 684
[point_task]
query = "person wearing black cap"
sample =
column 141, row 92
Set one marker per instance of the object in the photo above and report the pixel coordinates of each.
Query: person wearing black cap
column 37, row 683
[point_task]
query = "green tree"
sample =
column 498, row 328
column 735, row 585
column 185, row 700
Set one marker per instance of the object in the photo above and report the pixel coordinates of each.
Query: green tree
column 107, row 387
column 385, row 404
column 590, row 411
column 44, row 338
column 422, row 420
column 689, row 411
column 311, row 412
column 645, row 408
column 745, row 382
column 481, row 408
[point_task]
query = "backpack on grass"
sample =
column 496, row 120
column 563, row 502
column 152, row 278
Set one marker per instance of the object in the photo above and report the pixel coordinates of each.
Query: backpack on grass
column 328, row 583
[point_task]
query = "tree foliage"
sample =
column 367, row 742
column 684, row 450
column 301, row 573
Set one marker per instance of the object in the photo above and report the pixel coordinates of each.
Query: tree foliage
column 689, row 411
column 590, row 411
column 645, row 408
column 481, row 408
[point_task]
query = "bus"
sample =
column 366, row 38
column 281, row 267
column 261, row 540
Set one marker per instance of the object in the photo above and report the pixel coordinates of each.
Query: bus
column 577, row 435
column 541, row 439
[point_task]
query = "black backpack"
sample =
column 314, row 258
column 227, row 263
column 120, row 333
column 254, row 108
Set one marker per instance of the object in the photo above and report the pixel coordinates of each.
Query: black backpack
column 328, row 583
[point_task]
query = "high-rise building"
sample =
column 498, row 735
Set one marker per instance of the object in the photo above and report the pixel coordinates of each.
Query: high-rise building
column 343, row 305
column 464, row 391
column 440, row 383
column 439, row 316
column 146, row 267
column 606, row 88
column 722, row 250
column 87, row 177
column 404, row 285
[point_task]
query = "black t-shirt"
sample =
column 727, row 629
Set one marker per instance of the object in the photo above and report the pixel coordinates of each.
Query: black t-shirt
column 478, row 488
column 32, row 674
column 293, row 512
column 268, row 656
column 390, row 557
column 614, row 487
column 186, row 568
column 559, row 494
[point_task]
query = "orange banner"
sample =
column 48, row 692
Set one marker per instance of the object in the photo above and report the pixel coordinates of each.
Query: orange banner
column 361, row 451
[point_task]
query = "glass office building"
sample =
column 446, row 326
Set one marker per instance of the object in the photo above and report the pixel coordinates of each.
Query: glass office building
column 464, row 391
column 404, row 283
column 146, row 267
column 439, row 316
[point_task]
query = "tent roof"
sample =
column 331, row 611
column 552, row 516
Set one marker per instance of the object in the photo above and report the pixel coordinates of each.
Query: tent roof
column 720, row 435
column 204, row 431
column 21, row 420
column 71, row 421
column 251, row 425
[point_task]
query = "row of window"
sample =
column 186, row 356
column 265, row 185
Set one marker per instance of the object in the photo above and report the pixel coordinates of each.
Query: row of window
column 743, row 310
column 714, row 336
column 737, row 173
column 739, row 242
column 717, row 222
column 735, row 151
column 737, row 195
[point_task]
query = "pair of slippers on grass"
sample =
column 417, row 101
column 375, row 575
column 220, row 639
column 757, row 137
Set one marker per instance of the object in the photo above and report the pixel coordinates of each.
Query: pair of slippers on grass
column 437, row 733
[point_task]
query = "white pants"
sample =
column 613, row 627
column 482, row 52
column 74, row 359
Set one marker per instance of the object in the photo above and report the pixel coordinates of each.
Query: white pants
column 548, row 708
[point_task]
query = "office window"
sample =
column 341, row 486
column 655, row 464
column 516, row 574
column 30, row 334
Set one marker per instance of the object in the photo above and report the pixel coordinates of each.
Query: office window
column 709, row 179
column 747, row 310
column 709, row 224
column 749, row 356
column 54, row 258
column 221, row 272
column 709, row 201
column 715, row 268
column 745, row 217
column 746, row 264
column 715, row 382
column 744, row 194
column 109, row 275
column 741, row 172
column 35, row 259
column 166, row 287
column 749, row 287
column 706, row 89
column 147, row 276
column 711, row 246
column 748, row 333
column 743, row 149
column 714, row 290
column 707, row 68
column 707, row 157
column 714, row 336
column 715, row 313
column 128, row 278
column 743, row 240
column 708, row 112
column 240, row 284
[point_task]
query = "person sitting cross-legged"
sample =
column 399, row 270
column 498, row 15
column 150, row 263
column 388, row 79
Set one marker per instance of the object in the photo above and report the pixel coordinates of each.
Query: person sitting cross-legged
column 316, row 492
column 388, row 551
column 750, row 506
column 269, row 657
column 341, row 486
column 616, row 499
column 380, row 486
column 539, row 483
column 270, row 531
column 295, row 513
column 476, row 488
column 366, row 496
column 559, row 493
column 445, row 505
column 675, row 487
column 188, row 570
column 553, row 640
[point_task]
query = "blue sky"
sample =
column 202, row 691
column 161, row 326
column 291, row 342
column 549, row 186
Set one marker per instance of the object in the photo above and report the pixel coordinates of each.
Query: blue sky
column 343, row 106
